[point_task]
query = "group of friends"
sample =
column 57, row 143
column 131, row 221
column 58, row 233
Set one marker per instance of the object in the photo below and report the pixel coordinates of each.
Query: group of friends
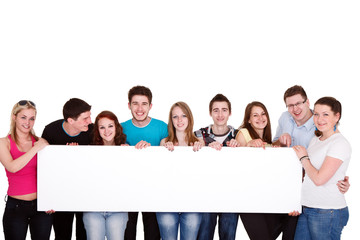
column 313, row 134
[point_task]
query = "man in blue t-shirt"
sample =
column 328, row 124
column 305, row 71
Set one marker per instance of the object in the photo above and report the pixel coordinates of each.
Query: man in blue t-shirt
column 143, row 131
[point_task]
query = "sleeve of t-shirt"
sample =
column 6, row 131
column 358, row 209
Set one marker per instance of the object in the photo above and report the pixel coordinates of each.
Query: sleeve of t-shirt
column 164, row 130
column 340, row 149
column 45, row 135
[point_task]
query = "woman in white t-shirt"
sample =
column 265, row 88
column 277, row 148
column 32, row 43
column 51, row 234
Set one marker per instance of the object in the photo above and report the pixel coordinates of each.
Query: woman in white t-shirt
column 325, row 161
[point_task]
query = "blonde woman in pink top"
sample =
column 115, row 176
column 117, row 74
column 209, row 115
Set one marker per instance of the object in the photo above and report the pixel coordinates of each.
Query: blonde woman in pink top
column 18, row 154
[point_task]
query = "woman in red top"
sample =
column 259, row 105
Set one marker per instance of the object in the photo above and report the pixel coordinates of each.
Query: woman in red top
column 18, row 154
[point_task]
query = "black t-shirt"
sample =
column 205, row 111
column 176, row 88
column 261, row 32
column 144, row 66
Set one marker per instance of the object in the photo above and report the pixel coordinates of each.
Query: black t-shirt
column 55, row 134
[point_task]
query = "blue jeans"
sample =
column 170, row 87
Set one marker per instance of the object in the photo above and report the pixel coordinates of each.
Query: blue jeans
column 19, row 215
column 101, row 224
column 227, row 226
column 169, row 225
column 321, row 224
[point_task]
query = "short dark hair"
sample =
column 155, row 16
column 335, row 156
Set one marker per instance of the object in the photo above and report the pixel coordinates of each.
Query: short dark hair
column 140, row 90
column 292, row 91
column 74, row 107
column 219, row 98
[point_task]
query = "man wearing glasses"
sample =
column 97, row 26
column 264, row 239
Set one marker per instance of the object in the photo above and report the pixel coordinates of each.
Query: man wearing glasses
column 295, row 127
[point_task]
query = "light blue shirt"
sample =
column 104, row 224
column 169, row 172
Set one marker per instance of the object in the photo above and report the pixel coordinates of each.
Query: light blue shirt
column 152, row 133
column 300, row 135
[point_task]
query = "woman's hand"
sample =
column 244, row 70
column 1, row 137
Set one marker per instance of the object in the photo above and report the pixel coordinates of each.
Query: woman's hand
column 169, row 146
column 300, row 151
column 197, row 146
column 256, row 143
column 40, row 144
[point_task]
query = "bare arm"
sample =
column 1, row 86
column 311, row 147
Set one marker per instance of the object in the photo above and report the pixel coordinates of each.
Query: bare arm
column 14, row 165
column 327, row 170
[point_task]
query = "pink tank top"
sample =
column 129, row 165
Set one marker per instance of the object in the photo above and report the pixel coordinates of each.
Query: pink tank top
column 23, row 181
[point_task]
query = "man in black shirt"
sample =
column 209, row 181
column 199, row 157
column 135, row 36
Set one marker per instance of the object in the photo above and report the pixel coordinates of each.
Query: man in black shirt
column 74, row 129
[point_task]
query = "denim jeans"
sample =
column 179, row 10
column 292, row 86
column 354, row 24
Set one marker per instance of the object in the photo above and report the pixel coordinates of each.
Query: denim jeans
column 169, row 225
column 321, row 224
column 227, row 226
column 19, row 215
column 101, row 224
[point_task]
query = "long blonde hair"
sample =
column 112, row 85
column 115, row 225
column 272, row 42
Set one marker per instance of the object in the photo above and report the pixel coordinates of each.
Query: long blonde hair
column 16, row 109
column 189, row 134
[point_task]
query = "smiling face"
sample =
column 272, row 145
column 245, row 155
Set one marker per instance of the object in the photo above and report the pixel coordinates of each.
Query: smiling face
column 258, row 119
column 25, row 120
column 81, row 124
column 299, row 108
column 179, row 119
column 220, row 113
column 140, row 108
column 107, row 130
column 325, row 119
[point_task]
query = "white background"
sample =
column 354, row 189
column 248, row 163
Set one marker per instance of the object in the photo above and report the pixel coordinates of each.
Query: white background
column 183, row 50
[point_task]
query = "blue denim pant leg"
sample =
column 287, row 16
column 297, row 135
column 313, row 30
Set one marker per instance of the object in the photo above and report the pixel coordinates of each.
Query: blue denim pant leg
column 189, row 225
column 101, row 224
column 321, row 224
column 227, row 225
column 207, row 226
column 169, row 225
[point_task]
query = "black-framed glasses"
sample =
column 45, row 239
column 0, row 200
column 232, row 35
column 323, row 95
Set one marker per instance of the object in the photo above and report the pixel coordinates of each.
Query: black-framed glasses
column 298, row 104
column 24, row 102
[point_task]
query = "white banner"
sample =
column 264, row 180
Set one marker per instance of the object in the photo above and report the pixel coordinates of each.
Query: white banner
column 114, row 178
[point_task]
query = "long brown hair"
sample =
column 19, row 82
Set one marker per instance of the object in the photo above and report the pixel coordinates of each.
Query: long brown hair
column 189, row 134
column 120, row 137
column 245, row 124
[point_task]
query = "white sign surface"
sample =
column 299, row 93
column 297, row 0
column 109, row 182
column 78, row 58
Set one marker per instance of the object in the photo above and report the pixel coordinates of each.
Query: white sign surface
column 114, row 178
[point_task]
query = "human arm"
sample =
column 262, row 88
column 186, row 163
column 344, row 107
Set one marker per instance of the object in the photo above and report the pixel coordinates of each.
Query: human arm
column 326, row 171
column 15, row 165
column 241, row 139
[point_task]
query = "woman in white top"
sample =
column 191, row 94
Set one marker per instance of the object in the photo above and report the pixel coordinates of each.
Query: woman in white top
column 325, row 161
